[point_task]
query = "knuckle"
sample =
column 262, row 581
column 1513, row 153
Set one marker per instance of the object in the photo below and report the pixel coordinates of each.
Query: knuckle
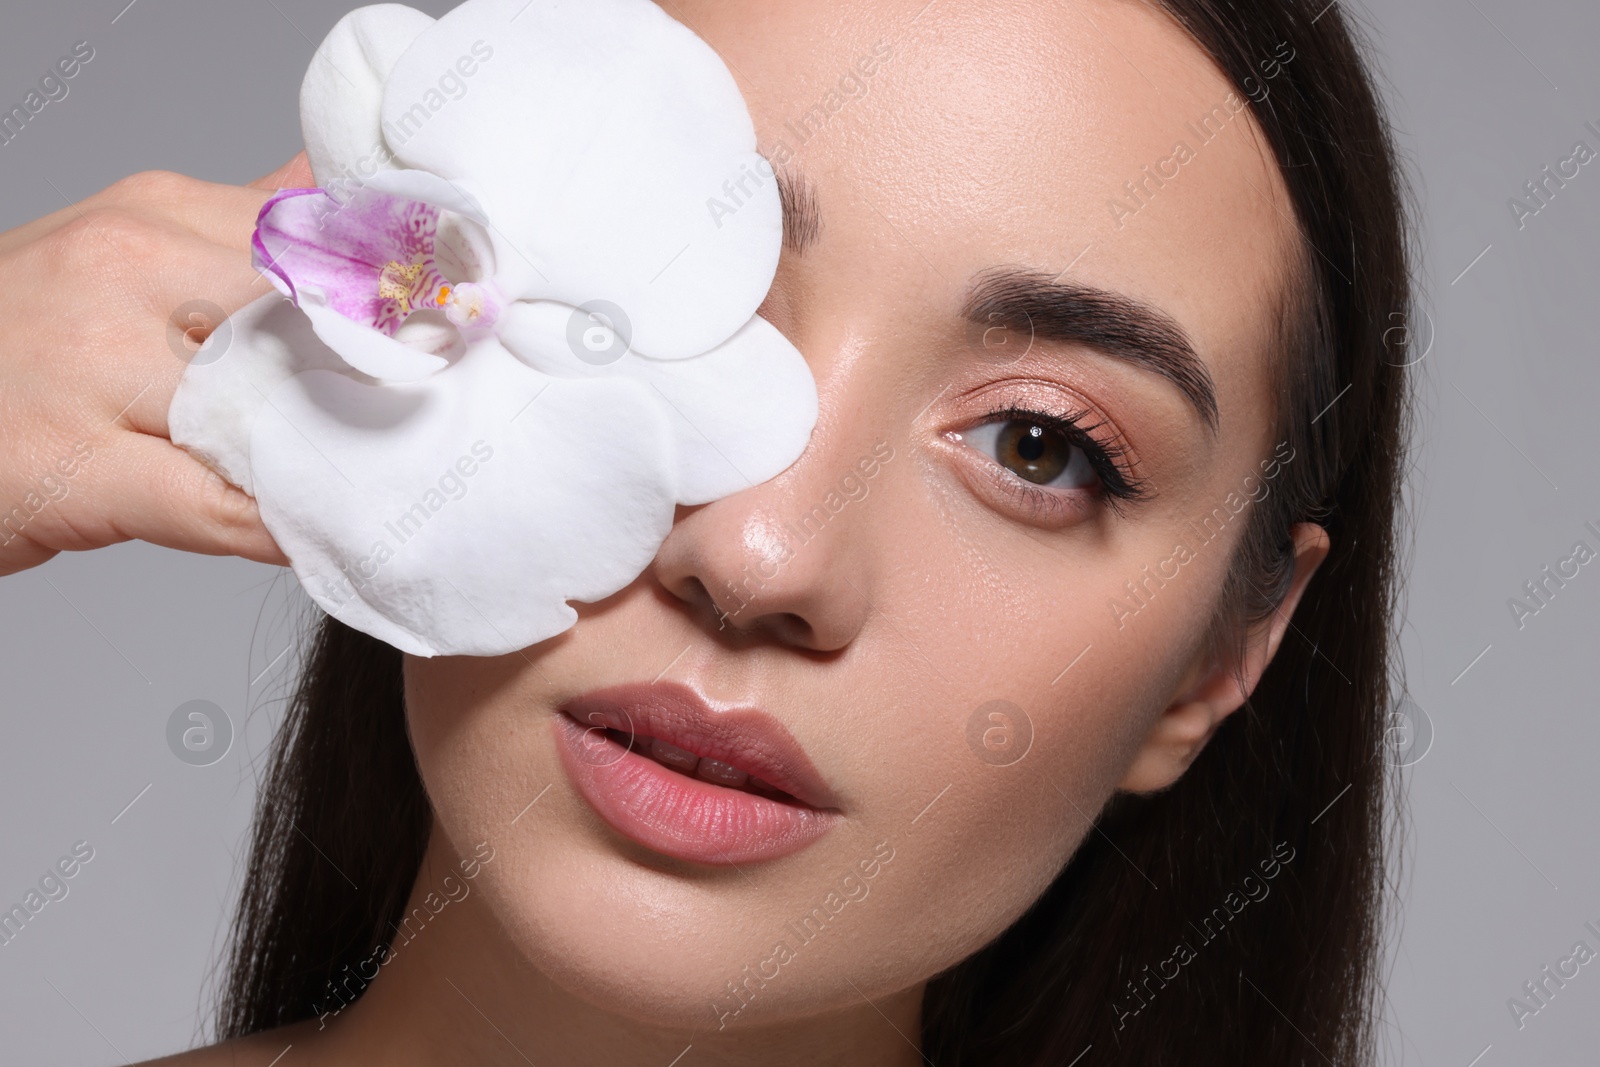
column 152, row 187
column 104, row 237
column 221, row 502
column 74, row 531
column 234, row 510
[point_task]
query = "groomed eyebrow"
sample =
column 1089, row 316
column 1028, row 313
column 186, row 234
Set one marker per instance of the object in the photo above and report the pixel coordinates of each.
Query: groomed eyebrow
column 802, row 219
column 1118, row 326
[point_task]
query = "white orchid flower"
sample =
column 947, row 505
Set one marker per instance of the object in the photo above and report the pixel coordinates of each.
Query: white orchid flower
column 520, row 325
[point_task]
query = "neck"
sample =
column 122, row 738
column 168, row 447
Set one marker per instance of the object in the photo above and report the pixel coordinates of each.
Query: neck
column 454, row 989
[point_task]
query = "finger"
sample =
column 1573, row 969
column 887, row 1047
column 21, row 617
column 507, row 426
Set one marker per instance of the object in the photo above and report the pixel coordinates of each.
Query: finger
column 150, row 489
column 295, row 174
column 219, row 213
column 168, row 310
column 225, row 214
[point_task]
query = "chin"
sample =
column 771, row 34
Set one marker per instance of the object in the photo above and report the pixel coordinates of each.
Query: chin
column 635, row 934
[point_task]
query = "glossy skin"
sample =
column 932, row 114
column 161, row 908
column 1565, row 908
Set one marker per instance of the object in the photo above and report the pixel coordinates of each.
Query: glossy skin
column 989, row 135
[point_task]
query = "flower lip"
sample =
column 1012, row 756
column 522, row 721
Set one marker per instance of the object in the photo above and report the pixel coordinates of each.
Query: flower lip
column 264, row 260
column 746, row 737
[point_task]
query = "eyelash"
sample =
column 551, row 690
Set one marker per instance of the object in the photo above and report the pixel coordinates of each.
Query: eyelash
column 1117, row 482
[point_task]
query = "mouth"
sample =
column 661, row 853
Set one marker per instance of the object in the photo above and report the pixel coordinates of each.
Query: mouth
column 665, row 770
column 690, row 764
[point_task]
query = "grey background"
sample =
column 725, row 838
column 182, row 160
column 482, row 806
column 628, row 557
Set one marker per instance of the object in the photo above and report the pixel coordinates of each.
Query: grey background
column 1501, row 867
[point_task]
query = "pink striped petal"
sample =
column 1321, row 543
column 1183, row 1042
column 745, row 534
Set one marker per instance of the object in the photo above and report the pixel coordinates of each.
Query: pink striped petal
column 372, row 257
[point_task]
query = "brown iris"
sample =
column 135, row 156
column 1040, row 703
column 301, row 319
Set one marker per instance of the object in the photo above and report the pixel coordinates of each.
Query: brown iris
column 1037, row 453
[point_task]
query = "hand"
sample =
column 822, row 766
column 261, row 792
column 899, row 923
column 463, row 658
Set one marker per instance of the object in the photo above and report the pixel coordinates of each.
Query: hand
column 91, row 351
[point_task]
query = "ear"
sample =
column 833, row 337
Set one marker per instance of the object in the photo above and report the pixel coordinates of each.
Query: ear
column 1212, row 691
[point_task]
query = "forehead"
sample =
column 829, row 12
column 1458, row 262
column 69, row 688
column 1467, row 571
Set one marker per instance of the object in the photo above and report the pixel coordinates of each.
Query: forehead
column 944, row 137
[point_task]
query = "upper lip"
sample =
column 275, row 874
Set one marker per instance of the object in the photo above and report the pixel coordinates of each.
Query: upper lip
column 746, row 737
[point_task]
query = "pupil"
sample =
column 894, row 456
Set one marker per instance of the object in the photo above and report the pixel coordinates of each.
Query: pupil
column 1031, row 447
column 1034, row 452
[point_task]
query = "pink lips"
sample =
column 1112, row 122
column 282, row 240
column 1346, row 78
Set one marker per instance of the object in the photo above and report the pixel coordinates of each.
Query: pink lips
column 721, row 787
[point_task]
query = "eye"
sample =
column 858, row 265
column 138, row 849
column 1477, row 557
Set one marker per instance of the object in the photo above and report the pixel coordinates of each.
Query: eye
column 1053, row 468
column 1035, row 451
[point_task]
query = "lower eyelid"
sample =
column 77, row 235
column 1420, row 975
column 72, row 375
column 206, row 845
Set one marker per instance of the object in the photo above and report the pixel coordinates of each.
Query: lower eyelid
column 1057, row 506
column 1057, row 503
column 1088, row 458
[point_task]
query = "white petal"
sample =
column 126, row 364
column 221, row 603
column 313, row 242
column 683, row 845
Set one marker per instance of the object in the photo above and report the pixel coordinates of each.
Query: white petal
column 342, row 94
column 615, row 154
column 367, row 490
column 259, row 347
column 741, row 412
column 561, row 340
column 430, row 189
column 364, row 348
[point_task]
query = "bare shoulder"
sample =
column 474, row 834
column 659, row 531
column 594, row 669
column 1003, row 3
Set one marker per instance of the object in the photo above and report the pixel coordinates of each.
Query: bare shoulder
column 265, row 1049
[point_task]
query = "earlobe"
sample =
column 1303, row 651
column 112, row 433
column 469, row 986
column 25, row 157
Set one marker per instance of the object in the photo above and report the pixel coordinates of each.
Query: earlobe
column 1212, row 691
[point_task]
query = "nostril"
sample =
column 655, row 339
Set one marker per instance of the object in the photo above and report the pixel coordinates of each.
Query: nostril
column 693, row 592
column 790, row 628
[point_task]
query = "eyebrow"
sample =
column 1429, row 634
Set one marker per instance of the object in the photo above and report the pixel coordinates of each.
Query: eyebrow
column 1110, row 323
column 802, row 218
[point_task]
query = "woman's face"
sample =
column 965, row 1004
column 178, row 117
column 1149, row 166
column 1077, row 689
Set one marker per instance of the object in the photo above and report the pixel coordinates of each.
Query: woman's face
column 934, row 601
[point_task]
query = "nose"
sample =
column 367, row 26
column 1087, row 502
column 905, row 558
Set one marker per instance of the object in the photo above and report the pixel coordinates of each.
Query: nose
column 788, row 559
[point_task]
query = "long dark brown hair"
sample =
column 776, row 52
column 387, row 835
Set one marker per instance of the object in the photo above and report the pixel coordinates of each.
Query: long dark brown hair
column 1231, row 919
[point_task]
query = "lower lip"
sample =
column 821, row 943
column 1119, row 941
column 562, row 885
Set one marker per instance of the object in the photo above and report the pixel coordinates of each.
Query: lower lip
column 676, row 815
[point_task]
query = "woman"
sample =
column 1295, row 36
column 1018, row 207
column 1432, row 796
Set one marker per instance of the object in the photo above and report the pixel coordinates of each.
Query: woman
column 1068, row 690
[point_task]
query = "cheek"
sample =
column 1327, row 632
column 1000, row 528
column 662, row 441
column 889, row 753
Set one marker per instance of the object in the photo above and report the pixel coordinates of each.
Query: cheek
column 1026, row 775
column 1007, row 706
column 971, row 839
column 486, row 759
column 468, row 742
column 975, row 756
column 985, row 761
column 658, row 940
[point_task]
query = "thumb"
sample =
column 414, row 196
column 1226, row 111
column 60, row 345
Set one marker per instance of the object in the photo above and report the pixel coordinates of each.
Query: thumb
column 295, row 174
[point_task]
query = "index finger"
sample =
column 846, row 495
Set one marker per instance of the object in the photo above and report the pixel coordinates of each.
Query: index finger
column 295, row 174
